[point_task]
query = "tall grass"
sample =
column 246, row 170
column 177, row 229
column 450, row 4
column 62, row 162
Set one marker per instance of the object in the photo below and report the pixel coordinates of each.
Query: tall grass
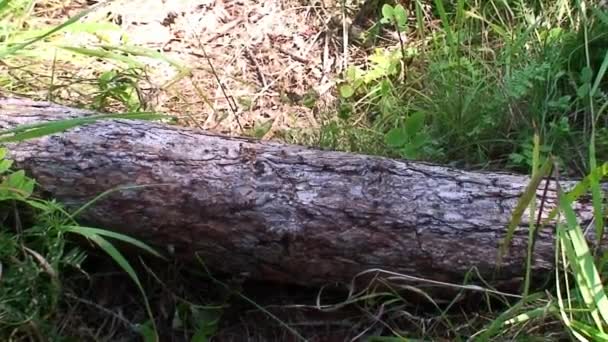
column 487, row 78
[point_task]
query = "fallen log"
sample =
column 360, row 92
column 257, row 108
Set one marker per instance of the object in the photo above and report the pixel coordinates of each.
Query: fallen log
column 280, row 212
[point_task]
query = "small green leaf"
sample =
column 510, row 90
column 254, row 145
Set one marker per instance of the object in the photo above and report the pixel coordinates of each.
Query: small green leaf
column 206, row 321
column 261, row 128
column 396, row 137
column 586, row 75
column 310, row 99
column 400, row 15
column 5, row 165
column 352, row 73
column 528, row 195
column 387, row 11
column 15, row 179
column 147, row 332
column 245, row 102
column 583, row 90
column 107, row 76
column 3, row 4
column 346, row 91
column 419, row 140
column 386, row 88
column 411, row 151
column 27, row 187
column 414, row 124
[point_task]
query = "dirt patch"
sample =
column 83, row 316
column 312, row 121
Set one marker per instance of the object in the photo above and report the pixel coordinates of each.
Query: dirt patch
column 241, row 66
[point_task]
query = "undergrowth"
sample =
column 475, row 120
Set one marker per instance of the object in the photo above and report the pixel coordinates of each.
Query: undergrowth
column 474, row 90
column 498, row 85
column 36, row 253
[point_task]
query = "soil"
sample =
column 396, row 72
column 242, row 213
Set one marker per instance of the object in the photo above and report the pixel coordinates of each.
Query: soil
column 241, row 66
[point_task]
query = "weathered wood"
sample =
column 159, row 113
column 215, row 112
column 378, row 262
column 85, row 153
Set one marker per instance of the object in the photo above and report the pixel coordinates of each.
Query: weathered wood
column 280, row 212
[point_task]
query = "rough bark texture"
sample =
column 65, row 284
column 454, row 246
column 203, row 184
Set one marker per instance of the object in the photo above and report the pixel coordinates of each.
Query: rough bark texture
column 275, row 211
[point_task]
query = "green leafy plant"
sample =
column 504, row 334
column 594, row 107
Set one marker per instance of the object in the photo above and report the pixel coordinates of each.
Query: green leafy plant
column 397, row 16
column 121, row 86
column 411, row 140
column 260, row 128
column 383, row 64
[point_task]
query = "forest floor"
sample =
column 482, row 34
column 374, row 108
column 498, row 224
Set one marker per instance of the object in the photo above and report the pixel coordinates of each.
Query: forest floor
column 472, row 84
column 249, row 67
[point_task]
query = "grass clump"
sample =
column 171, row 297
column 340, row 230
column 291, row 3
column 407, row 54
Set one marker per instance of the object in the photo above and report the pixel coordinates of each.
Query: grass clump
column 36, row 254
column 476, row 89
column 503, row 85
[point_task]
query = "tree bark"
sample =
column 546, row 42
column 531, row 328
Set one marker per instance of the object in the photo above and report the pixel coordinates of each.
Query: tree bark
column 281, row 212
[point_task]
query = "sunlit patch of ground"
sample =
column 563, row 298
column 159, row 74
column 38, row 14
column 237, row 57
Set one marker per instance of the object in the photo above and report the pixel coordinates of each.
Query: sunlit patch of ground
column 241, row 67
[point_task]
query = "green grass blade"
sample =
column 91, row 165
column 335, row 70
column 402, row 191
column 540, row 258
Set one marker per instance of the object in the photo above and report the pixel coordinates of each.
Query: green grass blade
column 497, row 323
column 108, row 192
column 124, row 264
column 579, row 190
column 528, row 195
column 587, row 276
column 589, row 331
column 419, row 19
column 31, row 131
column 130, row 115
column 497, row 28
column 145, row 52
column 48, row 128
column 15, row 48
column 601, row 15
column 581, row 286
column 600, row 75
column 3, row 5
column 443, row 16
column 87, row 231
column 531, row 314
column 105, row 54
column 460, row 13
column 564, row 314
column 597, row 200
column 532, row 211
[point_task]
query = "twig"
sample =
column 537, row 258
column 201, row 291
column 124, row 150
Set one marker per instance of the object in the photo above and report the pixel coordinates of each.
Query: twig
column 293, row 55
column 254, row 61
